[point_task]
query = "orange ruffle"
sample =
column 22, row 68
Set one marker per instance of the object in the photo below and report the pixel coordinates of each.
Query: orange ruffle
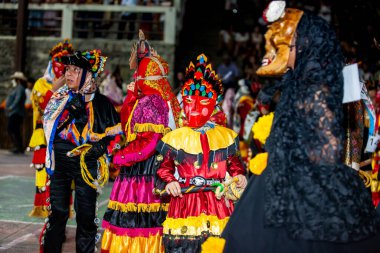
column 39, row 212
column 114, row 243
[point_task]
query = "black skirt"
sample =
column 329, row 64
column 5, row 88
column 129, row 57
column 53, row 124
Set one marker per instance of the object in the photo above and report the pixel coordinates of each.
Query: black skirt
column 245, row 232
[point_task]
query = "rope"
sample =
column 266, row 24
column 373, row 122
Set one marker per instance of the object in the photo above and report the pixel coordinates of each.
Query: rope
column 103, row 175
column 366, row 176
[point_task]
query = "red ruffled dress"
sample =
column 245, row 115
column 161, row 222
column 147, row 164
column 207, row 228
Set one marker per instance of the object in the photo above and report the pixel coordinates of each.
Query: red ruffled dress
column 202, row 157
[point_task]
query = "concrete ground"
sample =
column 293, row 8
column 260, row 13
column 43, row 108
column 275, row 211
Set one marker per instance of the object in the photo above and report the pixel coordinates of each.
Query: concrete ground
column 19, row 233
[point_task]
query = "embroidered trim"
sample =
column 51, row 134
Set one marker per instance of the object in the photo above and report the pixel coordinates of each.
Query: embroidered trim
column 150, row 127
column 140, row 207
column 214, row 155
column 193, row 226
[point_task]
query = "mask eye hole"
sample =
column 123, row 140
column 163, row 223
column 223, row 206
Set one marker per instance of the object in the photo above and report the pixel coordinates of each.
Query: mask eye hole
column 205, row 102
column 189, row 100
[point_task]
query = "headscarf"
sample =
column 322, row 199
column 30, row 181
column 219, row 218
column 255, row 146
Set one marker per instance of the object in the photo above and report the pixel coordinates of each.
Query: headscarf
column 309, row 183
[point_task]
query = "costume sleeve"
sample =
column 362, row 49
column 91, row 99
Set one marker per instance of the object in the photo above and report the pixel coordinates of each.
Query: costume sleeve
column 46, row 99
column 166, row 170
column 139, row 150
column 235, row 166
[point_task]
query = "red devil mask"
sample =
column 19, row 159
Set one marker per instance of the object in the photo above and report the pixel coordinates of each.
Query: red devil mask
column 201, row 92
column 198, row 110
column 58, row 68
column 56, row 53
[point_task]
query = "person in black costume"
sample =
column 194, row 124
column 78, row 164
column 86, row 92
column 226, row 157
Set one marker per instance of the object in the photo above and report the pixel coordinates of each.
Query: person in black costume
column 306, row 200
column 76, row 114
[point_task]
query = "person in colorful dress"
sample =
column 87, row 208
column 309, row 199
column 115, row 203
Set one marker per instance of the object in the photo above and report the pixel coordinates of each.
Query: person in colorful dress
column 244, row 103
column 203, row 152
column 40, row 96
column 306, row 199
column 133, row 220
column 79, row 123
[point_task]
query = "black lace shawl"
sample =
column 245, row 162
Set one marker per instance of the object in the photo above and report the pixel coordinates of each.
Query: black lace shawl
column 309, row 191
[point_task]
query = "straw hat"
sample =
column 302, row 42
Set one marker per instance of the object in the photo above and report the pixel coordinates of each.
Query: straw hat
column 18, row 75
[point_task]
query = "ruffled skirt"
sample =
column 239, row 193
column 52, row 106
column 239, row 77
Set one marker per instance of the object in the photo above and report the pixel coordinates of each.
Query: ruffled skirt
column 133, row 220
column 194, row 218
column 246, row 231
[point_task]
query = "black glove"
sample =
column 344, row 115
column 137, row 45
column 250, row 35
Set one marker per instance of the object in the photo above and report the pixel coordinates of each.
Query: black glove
column 77, row 107
column 98, row 148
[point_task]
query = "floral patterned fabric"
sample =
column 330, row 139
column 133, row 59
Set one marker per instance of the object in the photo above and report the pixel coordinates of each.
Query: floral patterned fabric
column 151, row 109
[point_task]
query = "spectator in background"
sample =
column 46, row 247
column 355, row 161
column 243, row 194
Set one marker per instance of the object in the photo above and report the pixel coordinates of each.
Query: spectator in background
column 15, row 111
column 372, row 95
column 28, row 91
column 226, row 39
column 241, row 38
column 249, row 66
column 227, row 106
column 112, row 87
column 127, row 17
column 228, row 72
column 376, row 76
column 257, row 38
column 325, row 12
column 365, row 73
column 180, row 80
column 118, row 78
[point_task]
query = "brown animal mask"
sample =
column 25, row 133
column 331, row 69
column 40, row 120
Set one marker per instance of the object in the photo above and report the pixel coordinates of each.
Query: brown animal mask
column 278, row 39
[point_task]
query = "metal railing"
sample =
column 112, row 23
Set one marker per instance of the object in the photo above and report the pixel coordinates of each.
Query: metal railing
column 84, row 20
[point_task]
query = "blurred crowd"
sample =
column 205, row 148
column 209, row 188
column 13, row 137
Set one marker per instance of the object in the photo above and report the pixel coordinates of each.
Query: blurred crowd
column 91, row 24
column 241, row 48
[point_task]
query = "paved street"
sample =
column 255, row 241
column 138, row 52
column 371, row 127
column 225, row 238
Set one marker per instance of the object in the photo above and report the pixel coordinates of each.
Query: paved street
column 19, row 232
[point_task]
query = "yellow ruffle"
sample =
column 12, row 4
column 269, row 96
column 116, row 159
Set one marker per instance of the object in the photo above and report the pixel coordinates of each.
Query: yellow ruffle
column 149, row 127
column 243, row 148
column 195, row 226
column 375, row 186
column 188, row 140
column 41, row 176
column 39, row 212
column 40, row 88
column 38, row 138
column 258, row 163
column 247, row 99
column 261, row 129
column 128, row 131
column 213, row 245
column 116, row 243
column 141, row 207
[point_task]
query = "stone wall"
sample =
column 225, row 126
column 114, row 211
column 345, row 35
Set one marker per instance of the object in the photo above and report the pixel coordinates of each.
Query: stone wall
column 118, row 53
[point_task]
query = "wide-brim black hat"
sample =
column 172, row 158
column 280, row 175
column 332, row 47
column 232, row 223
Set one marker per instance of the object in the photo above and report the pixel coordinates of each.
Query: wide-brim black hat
column 77, row 59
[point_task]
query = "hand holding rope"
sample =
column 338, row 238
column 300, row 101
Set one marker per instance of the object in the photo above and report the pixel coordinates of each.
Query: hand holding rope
column 103, row 176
